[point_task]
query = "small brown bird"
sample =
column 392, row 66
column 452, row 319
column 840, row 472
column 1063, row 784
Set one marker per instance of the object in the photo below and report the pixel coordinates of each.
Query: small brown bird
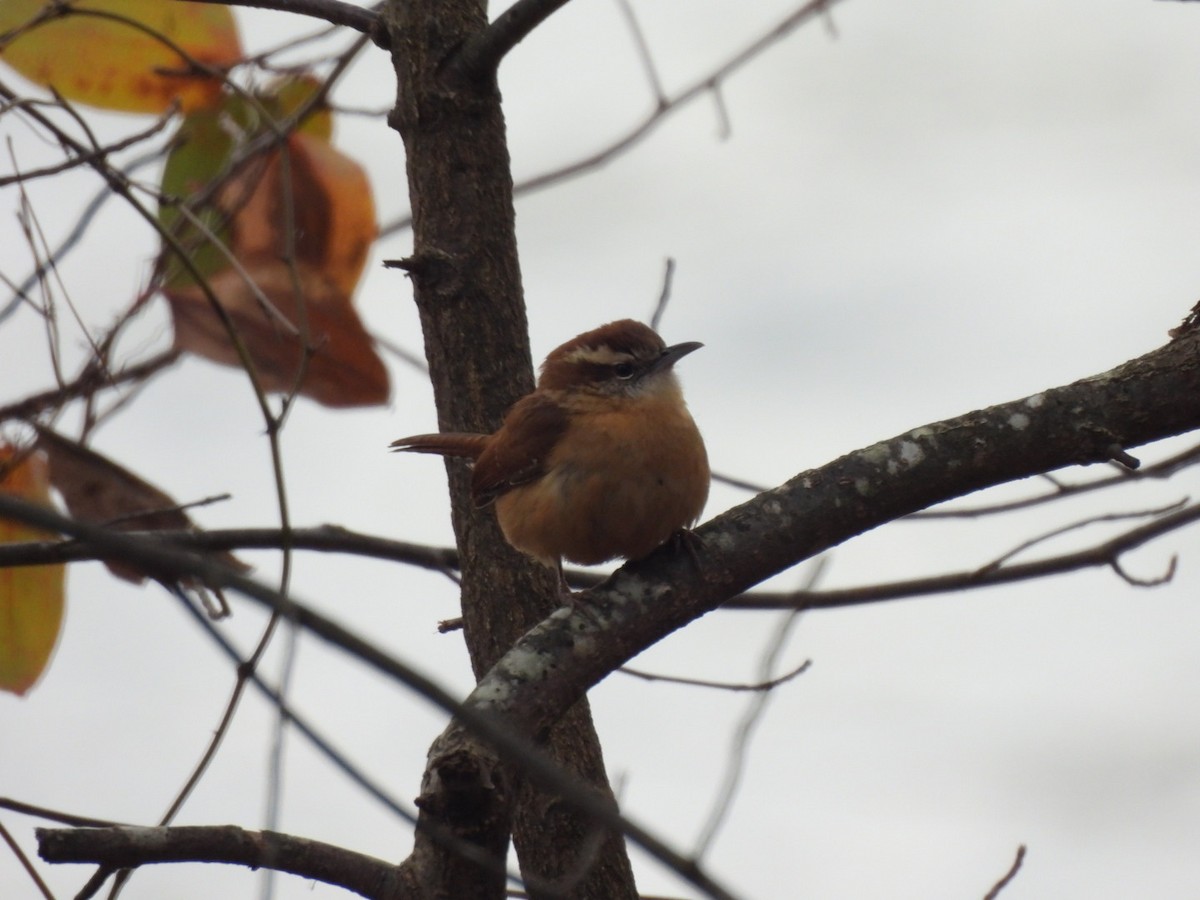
column 602, row 461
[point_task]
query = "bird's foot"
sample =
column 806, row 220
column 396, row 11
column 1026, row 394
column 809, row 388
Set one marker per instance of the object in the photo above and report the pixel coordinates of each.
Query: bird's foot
column 687, row 541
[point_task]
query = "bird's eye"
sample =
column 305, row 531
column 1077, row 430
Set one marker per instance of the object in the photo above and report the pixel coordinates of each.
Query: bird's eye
column 623, row 370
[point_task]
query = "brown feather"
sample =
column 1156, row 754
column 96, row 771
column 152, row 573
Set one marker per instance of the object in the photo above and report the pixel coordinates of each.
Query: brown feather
column 449, row 443
column 623, row 336
column 602, row 461
column 516, row 454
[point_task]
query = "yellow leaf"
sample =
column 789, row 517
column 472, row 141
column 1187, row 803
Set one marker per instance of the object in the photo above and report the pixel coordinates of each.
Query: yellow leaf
column 121, row 54
column 200, row 150
column 289, row 93
column 31, row 597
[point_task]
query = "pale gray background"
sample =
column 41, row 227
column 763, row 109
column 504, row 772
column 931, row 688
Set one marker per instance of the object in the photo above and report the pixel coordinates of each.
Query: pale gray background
column 945, row 206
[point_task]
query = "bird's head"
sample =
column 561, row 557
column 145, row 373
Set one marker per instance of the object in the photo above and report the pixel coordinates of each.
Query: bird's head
column 620, row 359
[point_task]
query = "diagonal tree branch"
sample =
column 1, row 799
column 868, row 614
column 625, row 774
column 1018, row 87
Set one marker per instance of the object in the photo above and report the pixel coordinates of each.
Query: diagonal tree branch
column 481, row 56
column 334, row 539
column 167, row 562
column 133, row 847
column 1146, row 399
column 1149, row 398
column 334, row 12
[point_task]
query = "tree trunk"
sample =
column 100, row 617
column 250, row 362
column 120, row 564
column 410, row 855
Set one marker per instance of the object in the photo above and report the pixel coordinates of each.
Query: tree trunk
column 467, row 285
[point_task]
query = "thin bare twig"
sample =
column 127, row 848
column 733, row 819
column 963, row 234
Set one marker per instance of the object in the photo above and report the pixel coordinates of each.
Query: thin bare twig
column 1008, row 876
column 248, row 672
column 274, row 422
column 122, row 187
column 95, row 153
column 720, row 685
column 35, row 240
column 512, row 747
column 71, row 241
column 405, row 356
column 705, row 85
column 26, row 863
column 54, row 815
column 724, row 123
column 334, row 539
column 664, row 295
column 332, row 11
column 740, row 744
column 93, row 378
column 1075, row 526
column 1162, row 469
column 643, row 49
column 250, row 669
column 740, row 483
column 1117, row 566
column 324, row 538
column 1103, row 554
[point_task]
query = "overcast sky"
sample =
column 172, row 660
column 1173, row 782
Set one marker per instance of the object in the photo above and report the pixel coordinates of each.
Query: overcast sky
column 919, row 209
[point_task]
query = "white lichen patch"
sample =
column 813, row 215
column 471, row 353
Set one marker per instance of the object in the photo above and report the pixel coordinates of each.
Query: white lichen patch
column 877, row 454
column 1018, row 421
column 635, row 590
column 911, row 453
column 777, row 510
column 863, row 486
column 1036, row 401
column 723, row 541
column 585, row 644
column 525, row 665
column 491, row 692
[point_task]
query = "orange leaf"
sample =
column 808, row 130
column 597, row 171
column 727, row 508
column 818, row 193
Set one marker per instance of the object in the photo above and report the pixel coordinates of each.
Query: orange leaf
column 333, row 223
column 330, row 233
column 343, row 369
column 96, row 489
column 204, row 148
column 31, row 597
column 120, row 60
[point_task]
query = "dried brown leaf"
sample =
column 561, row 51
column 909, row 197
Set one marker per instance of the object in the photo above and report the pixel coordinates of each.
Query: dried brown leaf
column 342, row 368
column 95, row 489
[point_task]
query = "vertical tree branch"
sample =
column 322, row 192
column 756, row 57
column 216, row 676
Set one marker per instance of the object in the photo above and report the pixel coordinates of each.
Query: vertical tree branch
column 467, row 285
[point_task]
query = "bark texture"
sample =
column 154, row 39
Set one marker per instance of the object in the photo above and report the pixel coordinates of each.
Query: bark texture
column 467, row 284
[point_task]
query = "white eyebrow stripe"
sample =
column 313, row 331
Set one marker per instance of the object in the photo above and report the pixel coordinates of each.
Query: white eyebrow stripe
column 601, row 356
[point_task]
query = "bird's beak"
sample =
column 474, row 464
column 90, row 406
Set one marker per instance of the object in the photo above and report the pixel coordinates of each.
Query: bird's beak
column 674, row 354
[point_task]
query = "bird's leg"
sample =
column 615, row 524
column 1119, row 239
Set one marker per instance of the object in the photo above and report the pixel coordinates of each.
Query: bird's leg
column 572, row 600
column 690, row 543
column 564, row 589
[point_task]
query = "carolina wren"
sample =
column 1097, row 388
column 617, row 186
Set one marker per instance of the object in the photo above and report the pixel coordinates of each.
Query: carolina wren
column 601, row 461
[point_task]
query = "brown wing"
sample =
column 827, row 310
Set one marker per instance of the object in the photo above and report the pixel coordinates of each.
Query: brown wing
column 517, row 453
column 448, row 443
